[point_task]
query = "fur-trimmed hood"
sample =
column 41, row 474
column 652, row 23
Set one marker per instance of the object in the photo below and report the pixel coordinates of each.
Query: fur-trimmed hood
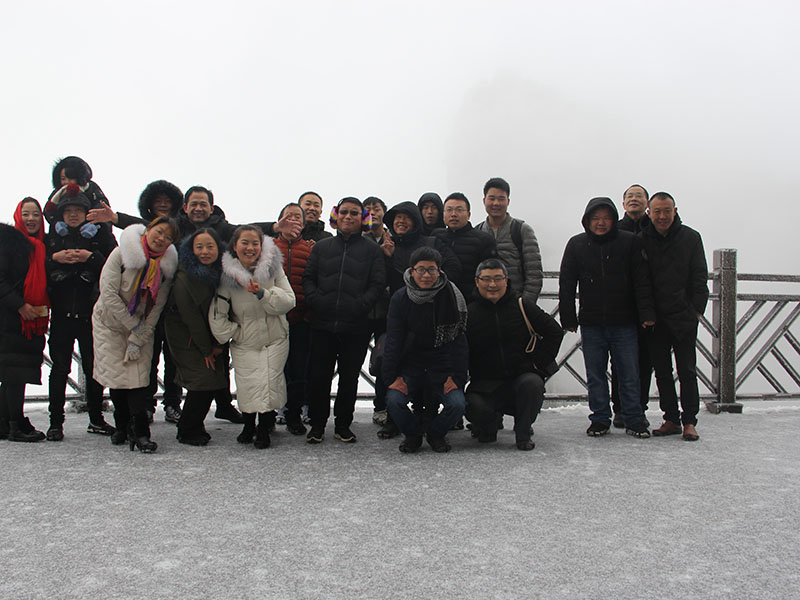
column 191, row 265
column 270, row 263
column 76, row 163
column 130, row 246
column 150, row 193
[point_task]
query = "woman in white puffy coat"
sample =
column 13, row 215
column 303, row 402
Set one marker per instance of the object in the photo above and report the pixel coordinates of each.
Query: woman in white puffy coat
column 250, row 310
column 134, row 286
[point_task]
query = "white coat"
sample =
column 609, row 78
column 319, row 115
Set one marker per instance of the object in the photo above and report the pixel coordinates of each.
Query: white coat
column 113, row 326
column 257, row 328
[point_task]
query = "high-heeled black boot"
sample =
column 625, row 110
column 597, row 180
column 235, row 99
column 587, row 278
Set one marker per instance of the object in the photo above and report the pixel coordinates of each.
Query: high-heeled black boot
column 249, row 429
column 266, row 421
column 139, row 435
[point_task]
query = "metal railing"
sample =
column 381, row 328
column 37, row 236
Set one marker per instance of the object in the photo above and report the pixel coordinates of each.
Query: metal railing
column 729, row 354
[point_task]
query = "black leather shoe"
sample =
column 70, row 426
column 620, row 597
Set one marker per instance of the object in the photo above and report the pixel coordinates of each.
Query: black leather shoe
column 227, row 412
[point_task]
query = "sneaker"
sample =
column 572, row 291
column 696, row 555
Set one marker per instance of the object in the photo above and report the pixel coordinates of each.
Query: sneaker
column 411, row 444
column 343, row 434
column 172, row 414
column 638, row 430
column 227, row 412
column 316, row 435
column 618, row 422
column 379, row 417
column 438, row 444
column 597, row 429
column 458, row 426
column 667, row 428
column 55, row 433
column 100, row 427
column 690, row 433
column 388, row 431
column 295, row 427
column 280, row 418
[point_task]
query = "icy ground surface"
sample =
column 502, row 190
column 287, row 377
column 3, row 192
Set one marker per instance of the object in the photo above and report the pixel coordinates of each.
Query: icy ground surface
column 577, row 517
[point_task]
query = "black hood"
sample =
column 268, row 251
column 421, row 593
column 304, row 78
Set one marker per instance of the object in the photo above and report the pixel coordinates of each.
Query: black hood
column 152, row 191
column 437, row 200
column 593, row 205
column 407, row 208
column 74, row 163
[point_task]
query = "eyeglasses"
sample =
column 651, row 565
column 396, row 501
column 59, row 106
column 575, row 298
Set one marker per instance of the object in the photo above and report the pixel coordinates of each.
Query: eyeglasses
column 352, row 213
column 495, row 279
column 455, row 209
column 422, row 270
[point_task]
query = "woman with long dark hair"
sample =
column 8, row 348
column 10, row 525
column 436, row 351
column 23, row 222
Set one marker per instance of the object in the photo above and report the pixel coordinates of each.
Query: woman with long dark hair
column 24, row 312
column 134, row 287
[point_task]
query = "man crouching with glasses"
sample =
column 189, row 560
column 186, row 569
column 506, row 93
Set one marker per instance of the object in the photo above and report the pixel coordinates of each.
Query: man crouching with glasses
column 509, row 360
column 426, row 347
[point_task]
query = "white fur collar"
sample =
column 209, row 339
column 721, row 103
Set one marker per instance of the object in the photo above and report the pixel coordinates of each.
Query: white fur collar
column 130, row 245
column 269, row 263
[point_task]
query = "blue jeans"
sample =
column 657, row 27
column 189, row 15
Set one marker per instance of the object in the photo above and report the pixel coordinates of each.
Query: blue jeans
column 621, row 342
column 411, row 424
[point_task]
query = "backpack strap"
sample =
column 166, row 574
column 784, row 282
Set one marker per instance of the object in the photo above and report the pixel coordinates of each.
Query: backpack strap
column 532, row 342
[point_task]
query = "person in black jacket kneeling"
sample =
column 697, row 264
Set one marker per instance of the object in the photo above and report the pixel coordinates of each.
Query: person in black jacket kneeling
column 508, row 364
column 426, row 347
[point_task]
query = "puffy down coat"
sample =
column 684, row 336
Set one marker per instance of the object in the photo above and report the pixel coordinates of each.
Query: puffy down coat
column 256, row 327
column 114, row 326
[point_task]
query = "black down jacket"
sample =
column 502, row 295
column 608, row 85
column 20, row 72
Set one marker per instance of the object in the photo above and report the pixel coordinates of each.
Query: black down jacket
column 343, row 278
column 471, row 246
column 612, row 274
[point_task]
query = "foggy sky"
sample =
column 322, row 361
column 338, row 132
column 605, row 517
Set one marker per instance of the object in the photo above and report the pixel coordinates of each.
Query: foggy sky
column 567, row 101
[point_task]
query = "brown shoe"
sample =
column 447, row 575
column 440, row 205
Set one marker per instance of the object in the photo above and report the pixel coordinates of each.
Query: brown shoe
column 667, row 428
column 690, row 433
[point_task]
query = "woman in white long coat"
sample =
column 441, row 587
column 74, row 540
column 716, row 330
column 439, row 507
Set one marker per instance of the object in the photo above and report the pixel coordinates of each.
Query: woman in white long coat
column 250, row 310
column 134, row 286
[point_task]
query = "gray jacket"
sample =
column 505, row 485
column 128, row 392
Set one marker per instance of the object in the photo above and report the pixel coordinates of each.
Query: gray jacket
column 525, row 269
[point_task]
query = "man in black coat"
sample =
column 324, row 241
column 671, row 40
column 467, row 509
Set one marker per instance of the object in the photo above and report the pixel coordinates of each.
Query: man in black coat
column 314, row 228
column 431, row 210
column 343, row 279
column 634, row 202
column 679, row 272
column 471, row 246
column 506, row 375
column 615, row 298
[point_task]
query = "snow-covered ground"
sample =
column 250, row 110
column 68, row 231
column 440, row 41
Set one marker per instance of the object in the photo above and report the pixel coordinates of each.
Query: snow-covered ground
column 577, row 517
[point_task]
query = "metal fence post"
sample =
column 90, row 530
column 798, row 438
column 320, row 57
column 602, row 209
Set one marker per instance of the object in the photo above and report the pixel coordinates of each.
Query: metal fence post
column 723, row 347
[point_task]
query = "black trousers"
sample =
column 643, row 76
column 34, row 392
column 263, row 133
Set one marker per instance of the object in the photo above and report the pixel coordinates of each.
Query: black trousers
column 195, row 408
column 521, row 397
column 12, row 401
column 131, row 405
column 64, row 331
column 172, row 391
column 662, row 341
column 326, row 350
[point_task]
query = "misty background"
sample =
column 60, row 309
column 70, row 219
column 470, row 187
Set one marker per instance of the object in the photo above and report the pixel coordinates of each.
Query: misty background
column 568, row 100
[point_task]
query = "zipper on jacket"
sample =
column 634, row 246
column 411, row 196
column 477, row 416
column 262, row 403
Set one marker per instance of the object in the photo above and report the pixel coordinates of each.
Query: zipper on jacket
column 500, row 336
column 339, row 287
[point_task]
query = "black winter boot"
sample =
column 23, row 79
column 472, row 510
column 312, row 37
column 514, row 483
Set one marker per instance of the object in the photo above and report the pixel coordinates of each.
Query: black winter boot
column 266, row 422
column 16, row 433
column 249, row 429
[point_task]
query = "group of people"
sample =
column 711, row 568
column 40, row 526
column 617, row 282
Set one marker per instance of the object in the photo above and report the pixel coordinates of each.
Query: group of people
column 452, row 310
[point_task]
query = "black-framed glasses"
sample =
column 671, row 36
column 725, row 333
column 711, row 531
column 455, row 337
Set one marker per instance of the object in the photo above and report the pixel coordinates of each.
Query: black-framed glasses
column 422, row 270
column 495, row 279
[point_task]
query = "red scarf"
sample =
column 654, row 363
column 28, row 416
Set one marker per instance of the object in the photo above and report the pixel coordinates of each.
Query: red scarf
column 35, row 287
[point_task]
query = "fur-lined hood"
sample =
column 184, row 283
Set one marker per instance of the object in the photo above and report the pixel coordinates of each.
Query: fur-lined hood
column 153, row 189
column 191, row 265
column 130, row 246
column 270, row 263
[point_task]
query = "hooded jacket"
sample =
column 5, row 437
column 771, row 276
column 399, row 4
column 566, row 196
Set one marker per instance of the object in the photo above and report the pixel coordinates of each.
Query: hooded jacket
column 405, row 244
column 146, row 199
column 612, row 273
column 186, row 324
column 113, row 326
column 497, row 336
column 315, row 231
column 92, row 191
column 437, row 201
column 679, row 272
column 343, row 279
column 20, row 357
column 256, row 327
